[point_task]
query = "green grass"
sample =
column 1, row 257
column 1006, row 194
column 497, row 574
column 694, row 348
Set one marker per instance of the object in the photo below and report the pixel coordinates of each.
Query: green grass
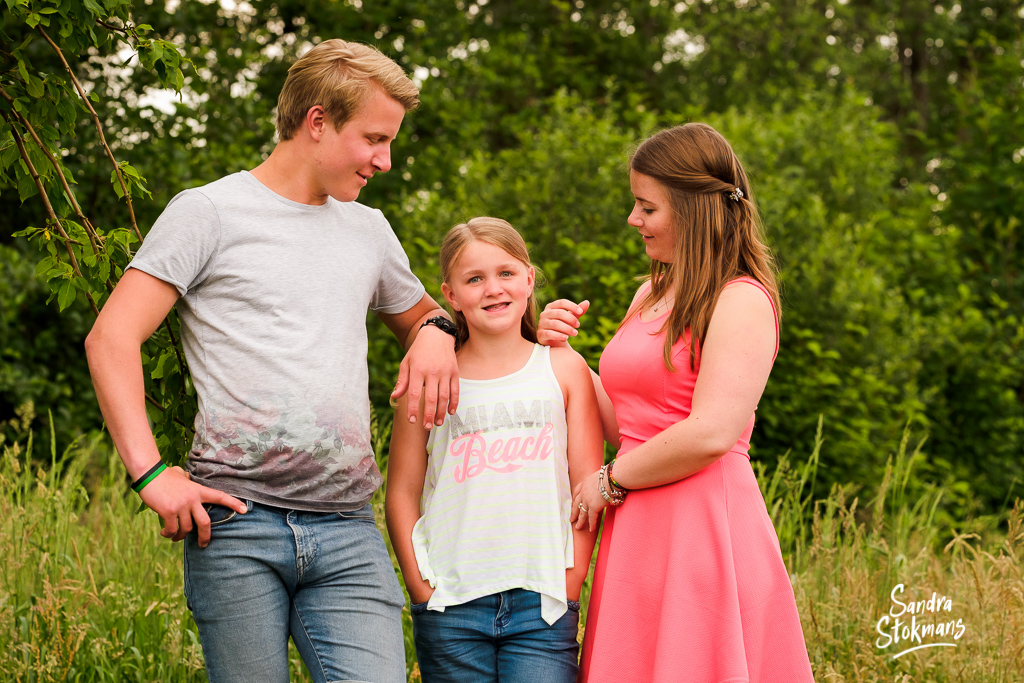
column 90, row 592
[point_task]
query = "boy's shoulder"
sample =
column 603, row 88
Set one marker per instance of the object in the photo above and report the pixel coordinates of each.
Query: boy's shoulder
column 241, row 191
column 230, row 184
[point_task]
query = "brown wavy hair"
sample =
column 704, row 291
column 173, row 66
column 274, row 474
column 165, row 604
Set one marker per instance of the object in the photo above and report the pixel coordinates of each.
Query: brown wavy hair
column 717, row 239
column 502, row 235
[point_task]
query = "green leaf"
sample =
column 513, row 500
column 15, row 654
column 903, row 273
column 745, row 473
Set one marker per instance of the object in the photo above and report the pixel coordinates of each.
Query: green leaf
column 164, row 366
column 94, row 7
column 66, row 295
column 44, row 266
column 67, row 111
column 9, row 155
column 116, row 183
column 130, row 170
column 103, row 269
column 35, row 87
column 26, row 187
column 27, row 232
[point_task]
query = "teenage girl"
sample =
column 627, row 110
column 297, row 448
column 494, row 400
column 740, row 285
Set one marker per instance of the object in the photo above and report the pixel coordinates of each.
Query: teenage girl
column 478, row 509
column 690, row 584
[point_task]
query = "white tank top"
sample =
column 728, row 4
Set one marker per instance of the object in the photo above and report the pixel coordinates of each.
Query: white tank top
column 496, row 495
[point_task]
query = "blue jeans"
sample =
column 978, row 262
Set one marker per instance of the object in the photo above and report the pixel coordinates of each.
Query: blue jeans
column 323, row 578
column 499, row 637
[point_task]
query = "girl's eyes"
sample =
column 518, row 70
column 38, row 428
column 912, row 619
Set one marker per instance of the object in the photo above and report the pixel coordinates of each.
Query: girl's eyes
column 643, row 209
column 477, row 278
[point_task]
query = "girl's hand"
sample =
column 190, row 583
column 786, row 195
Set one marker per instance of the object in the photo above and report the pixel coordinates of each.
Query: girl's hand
column 588, row 495
column 559, row 321
column 419, row 592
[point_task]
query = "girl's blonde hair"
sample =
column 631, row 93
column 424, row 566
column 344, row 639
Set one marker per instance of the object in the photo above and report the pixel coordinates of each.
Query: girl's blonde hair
column 502, row 235
column 719, row 236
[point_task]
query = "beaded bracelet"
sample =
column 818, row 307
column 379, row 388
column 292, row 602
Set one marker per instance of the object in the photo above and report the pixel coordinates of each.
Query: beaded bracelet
column 611, row 477
column 149, row 476
column 614, row 497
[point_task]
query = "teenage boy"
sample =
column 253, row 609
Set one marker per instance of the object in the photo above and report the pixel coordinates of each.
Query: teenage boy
column 272, row 272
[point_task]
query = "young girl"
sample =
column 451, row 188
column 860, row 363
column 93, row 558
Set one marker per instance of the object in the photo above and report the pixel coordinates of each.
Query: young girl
column 478, row 509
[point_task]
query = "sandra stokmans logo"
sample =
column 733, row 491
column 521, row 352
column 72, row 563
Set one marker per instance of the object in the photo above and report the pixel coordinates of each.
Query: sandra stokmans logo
column 919, row 624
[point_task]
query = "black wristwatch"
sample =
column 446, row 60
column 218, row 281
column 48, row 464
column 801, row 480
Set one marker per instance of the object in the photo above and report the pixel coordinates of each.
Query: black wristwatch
column 443, row 324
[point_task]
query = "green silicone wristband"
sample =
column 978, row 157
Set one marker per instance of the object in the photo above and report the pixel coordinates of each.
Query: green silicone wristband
column 142, row 484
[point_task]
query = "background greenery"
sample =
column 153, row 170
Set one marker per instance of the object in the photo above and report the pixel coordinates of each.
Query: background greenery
column 884, row 141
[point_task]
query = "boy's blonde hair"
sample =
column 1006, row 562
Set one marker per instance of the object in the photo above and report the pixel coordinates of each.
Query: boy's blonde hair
column 502, row 235
column 340, row 77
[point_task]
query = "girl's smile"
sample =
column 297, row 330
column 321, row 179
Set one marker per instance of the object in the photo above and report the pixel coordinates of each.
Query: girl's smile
column 490, row 287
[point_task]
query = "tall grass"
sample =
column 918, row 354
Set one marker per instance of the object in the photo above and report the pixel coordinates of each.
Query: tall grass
column 846, row 560
column 88, row 589
column 90, row 592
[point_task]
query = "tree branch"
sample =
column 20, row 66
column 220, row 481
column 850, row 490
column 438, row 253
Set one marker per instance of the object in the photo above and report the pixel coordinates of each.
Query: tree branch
column 49, row 207
column 99, row 129
column 177, row 354
column 153, row 402
column 89, row 229
column 111, row 27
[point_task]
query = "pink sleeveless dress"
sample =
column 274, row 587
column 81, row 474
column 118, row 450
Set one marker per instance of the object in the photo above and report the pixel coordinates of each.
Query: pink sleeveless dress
column 690, row 584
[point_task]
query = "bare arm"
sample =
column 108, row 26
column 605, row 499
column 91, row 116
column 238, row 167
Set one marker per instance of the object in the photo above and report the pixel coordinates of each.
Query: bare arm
column 429, row 369
column 736, row 360
column 407, row 467
column 135, row 308
column 609, row 424
column 585, row 450
column 559, row 321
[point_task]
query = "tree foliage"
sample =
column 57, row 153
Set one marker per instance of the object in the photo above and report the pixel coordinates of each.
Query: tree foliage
column 43, row 105
column 884, row 142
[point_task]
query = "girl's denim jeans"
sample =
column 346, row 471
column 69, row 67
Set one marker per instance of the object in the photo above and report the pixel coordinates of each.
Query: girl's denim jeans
column 499, row 637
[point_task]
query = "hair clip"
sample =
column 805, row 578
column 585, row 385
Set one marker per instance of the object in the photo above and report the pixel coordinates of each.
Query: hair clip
column 735, row 195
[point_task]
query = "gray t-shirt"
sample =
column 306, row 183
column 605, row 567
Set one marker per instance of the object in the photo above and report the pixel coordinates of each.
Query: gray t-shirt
column 273, row 305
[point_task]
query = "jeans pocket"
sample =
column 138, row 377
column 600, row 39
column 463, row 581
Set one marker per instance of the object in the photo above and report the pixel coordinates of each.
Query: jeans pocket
column 219, row 514
column 363, row 513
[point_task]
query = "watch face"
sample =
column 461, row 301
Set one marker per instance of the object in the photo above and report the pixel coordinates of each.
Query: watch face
column 443, row 324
